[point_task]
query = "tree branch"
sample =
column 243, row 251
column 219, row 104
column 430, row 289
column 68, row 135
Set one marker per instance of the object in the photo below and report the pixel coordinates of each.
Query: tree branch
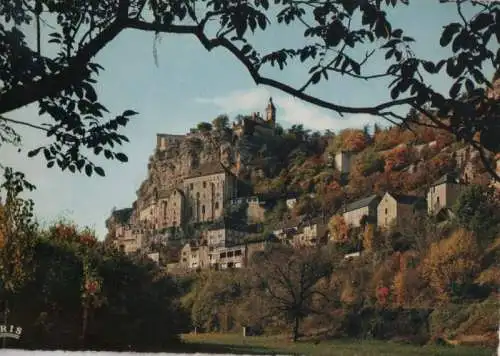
column 76, row 70
column 210, row 44
column 24, row 123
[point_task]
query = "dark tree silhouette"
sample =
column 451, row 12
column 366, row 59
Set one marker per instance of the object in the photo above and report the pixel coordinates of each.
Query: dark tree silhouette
column 63, row 85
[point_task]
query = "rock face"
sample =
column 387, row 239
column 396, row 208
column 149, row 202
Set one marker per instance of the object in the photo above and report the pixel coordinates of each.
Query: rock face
column 192, row 178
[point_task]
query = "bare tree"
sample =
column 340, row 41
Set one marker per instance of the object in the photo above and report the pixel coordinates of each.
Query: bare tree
column 288, row 280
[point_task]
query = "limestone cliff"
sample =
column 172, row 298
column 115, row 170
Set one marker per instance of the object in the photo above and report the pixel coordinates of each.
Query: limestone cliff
column 192, row 178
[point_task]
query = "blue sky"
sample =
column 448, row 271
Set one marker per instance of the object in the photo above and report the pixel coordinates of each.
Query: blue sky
column 191, row 85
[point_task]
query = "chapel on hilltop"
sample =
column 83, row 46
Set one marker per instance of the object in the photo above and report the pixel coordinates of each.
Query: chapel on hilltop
column 257, row 123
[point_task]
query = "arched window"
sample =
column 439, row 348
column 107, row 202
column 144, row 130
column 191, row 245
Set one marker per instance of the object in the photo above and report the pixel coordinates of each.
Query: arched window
column 203, row 209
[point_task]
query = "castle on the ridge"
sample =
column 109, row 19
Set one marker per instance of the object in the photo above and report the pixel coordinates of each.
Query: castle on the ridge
column 256, row 123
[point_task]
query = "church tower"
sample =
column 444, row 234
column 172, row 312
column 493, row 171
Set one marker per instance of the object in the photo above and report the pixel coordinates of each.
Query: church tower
column 271, row 112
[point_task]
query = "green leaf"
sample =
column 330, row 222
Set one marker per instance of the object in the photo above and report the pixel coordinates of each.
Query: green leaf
column 34, row 152
column 455, row 89
column 262, row 21
column 481, row 21
column 129, row 113
column 121, row 157
column 356, row 67
column 80, row 163
column 99, row 171
column 397, row 33
column 448, row 33
column 246, row 48
column 469, row 85
column 88, row 170
column 47, row 154
column 429, row 67
column 395, row 92
column 316, row 77
column 108, row 154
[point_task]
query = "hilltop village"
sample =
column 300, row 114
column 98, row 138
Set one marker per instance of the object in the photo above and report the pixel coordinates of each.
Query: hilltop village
column 220, row 193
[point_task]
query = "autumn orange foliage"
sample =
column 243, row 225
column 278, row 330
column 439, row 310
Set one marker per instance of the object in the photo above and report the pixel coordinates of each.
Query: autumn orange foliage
column 398, row 157
column 368, row 237
column 354, row 140
column 338, row 228
column 69, row 233
column 453, row 260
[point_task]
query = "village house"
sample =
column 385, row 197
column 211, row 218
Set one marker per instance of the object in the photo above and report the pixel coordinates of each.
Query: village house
column 362, row 208
column 228, row 257
column 344, row 160
column 395, row 210
column 255, row 209
column 222, row 237
column 287, row 229
column 311, row 233
column 236, row 256
column 194, row 256
column 443, row 193
column 125, row 237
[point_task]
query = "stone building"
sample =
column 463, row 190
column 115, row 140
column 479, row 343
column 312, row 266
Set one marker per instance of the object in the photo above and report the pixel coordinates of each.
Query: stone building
column 355, row 211
column 228, row 257
column 207, row 191
column 222, row 237
column 257, row 124
column 122, row 234
column 255, row 208
column 343, row 161
column 165, row 140
column 287, row 229
column 443, row 193
column 311, row 233
column 170, row 209
column 396, row 210
column 194, row 256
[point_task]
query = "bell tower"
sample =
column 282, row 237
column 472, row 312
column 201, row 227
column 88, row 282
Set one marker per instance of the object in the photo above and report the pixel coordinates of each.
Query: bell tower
column 271, row 112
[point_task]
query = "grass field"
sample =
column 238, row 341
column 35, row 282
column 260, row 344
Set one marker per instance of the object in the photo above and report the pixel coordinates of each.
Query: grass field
column 268, row 345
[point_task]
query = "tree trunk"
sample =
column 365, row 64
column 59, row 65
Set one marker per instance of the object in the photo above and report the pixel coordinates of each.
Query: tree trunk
column 84, row 325
column 296, row 329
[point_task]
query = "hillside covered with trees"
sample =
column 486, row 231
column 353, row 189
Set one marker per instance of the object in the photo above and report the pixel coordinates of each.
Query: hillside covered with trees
column 433, row 280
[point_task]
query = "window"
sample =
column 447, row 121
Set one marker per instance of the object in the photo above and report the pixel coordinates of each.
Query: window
column 204, row 184
column 216, row 205
column 203, row 209
column 191, row 186
column 385, row 211
column 237, row 253
column 198, row 195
